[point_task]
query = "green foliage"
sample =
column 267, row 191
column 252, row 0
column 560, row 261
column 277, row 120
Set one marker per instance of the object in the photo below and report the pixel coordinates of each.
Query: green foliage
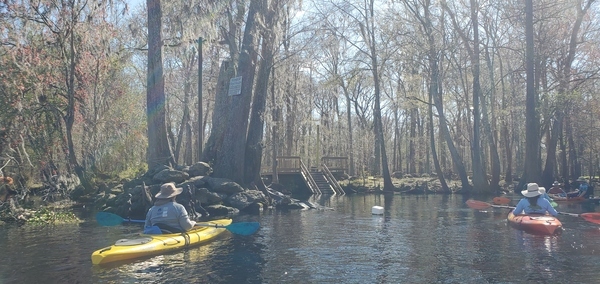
column 47, row 216
column 134, row 171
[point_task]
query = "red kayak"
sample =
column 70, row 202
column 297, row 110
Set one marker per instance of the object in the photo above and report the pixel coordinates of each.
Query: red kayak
column 536, row 224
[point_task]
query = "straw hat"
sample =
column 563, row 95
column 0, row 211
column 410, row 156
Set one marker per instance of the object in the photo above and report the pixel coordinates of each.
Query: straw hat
column 533, row 189
column 168, row 190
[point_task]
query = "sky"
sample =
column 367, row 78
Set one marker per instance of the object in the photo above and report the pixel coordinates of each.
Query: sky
column 135, row 3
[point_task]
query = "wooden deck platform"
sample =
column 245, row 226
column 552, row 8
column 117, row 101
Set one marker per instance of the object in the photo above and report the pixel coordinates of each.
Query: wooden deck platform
column 319, row 180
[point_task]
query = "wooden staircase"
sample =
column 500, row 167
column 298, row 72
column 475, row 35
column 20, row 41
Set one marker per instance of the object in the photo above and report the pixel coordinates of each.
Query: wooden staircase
column 318, row 181
column 321, row 182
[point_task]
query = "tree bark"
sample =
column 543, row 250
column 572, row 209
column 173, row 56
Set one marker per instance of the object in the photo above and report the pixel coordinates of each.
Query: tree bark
column 214, row 144
column 479, row 175
column 231, row 161
column 488, row 123
column 185, row 120
column 532, row 125
column 480, row 181
column 254, row 147
column 200, row 136
column 434, row 87
column 378, row 127
column 159, row 150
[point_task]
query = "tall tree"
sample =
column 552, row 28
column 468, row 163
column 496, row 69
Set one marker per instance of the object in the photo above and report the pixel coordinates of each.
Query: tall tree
column 159, row 150
column 434, row 88
column 489, row 118
column 230, row 163
column 368, row 30
column 563, row 102
column 532, row 170
column 254, row 146
column 229, row 32
column 480, row 182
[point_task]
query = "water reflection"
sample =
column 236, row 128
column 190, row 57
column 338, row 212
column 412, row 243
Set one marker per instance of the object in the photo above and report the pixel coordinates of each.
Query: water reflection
column 539, row 254
column 418, row 239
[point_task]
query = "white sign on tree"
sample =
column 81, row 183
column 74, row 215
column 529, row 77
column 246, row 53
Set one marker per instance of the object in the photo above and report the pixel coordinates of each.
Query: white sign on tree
column 235, row 86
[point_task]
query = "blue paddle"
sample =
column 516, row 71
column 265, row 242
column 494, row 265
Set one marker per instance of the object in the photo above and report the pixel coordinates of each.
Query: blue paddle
column 240, row 228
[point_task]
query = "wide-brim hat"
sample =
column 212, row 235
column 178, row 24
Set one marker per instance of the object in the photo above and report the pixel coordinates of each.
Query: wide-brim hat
column 168, row 190
column 533, row 189
column 580, row 179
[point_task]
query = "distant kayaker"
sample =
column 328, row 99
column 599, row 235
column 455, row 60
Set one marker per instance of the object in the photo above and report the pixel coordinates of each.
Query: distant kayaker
column 556, row 189
column 581, row 191
column 532, row 203
column 166, row 213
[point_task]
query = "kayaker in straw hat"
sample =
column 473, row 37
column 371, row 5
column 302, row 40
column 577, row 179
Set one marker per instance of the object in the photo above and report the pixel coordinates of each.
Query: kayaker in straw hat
column 167, row 214
column 532, row 203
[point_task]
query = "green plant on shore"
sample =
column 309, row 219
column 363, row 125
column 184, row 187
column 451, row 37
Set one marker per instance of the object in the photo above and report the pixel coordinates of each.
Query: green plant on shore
column 134, row 171
column 46, row 216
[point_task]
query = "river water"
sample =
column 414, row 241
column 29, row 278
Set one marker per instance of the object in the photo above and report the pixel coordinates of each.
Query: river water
column 419, row 239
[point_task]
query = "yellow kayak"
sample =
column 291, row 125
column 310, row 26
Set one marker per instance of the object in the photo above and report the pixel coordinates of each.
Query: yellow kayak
column 146, row 245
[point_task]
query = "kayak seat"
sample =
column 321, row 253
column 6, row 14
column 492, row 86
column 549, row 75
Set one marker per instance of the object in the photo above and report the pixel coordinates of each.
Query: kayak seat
column 166, row 229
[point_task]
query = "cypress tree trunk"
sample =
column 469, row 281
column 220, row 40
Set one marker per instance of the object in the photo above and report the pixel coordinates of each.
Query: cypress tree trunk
column 159, row 151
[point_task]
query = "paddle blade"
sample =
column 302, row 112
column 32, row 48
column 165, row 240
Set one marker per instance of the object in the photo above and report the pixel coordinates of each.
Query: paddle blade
column 108, row 219
column 593, row 217
column 479, row 205
column 243, row 228
column 501, row 200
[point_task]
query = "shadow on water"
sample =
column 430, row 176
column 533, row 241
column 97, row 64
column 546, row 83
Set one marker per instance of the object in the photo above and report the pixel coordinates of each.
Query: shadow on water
column 418, row 239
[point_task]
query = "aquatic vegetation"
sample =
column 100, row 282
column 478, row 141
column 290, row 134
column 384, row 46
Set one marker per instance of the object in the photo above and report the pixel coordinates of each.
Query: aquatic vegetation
column 48, row 216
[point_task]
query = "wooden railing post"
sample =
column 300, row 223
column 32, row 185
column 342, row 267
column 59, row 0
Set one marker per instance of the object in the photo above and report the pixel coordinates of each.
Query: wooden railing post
column 331, row 180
